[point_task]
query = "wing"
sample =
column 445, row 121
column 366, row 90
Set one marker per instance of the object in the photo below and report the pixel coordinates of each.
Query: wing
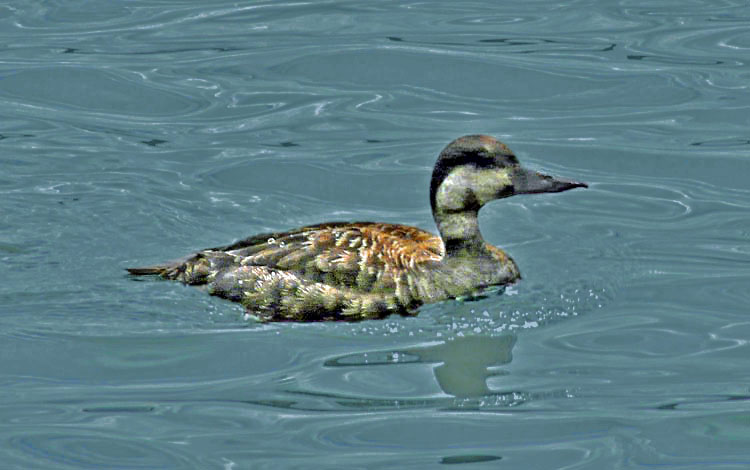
column 363, row 256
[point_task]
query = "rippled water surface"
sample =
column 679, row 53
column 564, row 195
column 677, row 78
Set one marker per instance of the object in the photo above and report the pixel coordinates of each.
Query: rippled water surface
column 136, row 132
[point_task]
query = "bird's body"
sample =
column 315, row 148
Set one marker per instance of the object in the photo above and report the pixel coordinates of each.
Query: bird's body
column 364, row 270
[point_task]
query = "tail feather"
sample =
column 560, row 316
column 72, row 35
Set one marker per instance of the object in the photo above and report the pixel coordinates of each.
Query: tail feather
column 198, row 268
column 148, row 270
column 168, row 269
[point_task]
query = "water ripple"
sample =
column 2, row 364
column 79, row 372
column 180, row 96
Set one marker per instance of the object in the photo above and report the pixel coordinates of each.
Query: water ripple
column 94, row 450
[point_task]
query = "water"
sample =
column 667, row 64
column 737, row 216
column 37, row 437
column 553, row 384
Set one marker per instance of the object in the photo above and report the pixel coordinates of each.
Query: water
column 136, row 132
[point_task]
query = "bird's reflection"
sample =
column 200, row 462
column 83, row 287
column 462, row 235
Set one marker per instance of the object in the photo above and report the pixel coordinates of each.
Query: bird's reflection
column 463, row 364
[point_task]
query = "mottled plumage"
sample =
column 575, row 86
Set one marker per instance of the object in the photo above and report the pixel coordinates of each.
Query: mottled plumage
column 363, row 270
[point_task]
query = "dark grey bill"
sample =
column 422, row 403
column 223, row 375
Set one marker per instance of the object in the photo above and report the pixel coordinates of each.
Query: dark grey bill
column 530, row 182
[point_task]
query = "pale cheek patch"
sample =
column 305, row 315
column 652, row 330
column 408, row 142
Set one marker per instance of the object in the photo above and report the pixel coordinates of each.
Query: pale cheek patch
column 485, row 184
column 488, row 183
column 454, row 189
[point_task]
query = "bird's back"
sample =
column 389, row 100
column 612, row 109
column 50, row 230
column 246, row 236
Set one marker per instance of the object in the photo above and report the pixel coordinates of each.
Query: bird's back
column 362, row 256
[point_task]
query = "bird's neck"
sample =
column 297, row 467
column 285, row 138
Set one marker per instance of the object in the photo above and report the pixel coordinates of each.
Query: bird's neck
column 456, row 202
column 460, row 233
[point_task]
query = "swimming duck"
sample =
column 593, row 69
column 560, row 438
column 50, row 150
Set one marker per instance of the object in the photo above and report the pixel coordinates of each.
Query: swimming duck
column 365, row 270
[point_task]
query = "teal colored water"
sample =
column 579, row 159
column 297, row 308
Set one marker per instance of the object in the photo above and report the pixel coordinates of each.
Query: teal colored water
column 140, row 131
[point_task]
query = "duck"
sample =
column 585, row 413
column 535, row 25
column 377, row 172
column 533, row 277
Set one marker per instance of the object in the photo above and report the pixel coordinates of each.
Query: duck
column 352, row 271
